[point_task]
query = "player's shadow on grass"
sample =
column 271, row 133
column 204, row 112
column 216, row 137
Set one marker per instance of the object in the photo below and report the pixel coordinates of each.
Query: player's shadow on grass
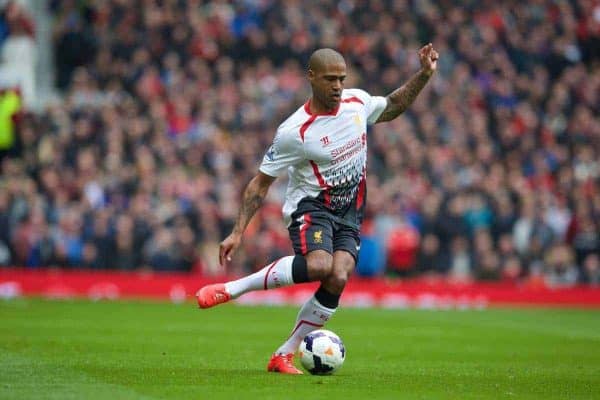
column 242, row 372
column 260, row 373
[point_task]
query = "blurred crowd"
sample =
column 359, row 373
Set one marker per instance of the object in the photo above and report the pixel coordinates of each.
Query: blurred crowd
column 492, row 174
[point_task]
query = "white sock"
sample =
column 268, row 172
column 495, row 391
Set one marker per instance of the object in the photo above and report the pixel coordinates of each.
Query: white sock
column 275, row 275
column 313, row 315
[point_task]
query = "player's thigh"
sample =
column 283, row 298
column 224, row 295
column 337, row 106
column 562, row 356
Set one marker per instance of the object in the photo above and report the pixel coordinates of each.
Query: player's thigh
column 343, row 264
column 346, row 239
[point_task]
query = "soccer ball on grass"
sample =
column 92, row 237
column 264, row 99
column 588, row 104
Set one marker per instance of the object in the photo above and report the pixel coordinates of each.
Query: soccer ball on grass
column 322, row 352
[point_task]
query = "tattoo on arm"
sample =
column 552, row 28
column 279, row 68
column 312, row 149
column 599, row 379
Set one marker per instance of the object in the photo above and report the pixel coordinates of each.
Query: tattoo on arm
column 401, row 98
column 252, row 200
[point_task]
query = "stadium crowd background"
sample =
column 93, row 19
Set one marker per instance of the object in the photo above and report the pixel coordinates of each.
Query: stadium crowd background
column 167, row 107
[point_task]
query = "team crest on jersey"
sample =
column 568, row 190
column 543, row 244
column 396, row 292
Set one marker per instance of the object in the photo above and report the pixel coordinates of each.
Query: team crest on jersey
column 318, row 237
column 357, row 120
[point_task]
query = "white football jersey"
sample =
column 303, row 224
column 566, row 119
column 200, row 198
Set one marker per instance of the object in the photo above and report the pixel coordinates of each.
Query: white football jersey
column 325, row 155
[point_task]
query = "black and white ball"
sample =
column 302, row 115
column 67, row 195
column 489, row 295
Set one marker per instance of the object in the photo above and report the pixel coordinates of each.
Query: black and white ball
column 322, row 352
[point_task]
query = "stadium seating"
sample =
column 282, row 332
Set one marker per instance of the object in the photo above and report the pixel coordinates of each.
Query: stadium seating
column 167, row 109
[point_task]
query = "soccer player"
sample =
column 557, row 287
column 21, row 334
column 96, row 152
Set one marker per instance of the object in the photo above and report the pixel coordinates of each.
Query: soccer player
column 323, row 148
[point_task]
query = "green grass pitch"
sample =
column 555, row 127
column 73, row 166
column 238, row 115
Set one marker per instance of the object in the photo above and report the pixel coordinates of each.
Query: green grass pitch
column 152, row 350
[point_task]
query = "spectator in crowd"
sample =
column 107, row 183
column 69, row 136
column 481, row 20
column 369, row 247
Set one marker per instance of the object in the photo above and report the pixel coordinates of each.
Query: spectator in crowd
column 591, row 266
column 492, row 174
column 560, row 266
column 460, row 262
column 429, row 257
column 17, row 50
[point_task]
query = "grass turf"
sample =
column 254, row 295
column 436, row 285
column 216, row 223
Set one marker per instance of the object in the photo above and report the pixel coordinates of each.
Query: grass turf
column 145, row 350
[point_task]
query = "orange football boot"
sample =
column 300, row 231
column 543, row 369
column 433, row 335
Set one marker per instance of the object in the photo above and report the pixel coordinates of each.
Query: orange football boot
column 284, row 364
column 211, row 295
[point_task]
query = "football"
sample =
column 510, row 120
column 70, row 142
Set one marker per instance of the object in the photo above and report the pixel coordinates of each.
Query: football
column 322, row 352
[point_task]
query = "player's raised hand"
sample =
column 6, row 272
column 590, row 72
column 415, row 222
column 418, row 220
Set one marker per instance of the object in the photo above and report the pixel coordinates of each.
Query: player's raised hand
column 428, row 57
column 228, row 246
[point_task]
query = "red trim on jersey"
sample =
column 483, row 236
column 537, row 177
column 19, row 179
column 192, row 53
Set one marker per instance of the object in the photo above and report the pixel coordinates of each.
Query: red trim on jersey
column 322, row 182
column 353, row 99
column 269, row 271
column 332, row 112
column 361, row 192
column 305, row 125
column 304, row 322
column 305, row 226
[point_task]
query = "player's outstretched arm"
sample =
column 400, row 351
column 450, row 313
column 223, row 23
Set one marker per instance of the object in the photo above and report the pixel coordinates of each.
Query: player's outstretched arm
column 401, row 98
column 254, row 194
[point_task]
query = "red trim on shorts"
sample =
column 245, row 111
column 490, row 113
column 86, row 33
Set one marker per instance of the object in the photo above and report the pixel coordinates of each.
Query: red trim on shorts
column 305, row 226
column 353, row 99
column 361, row 192
column 322, row 182
column 304, row 322
column 269, row 271
column 305, row 126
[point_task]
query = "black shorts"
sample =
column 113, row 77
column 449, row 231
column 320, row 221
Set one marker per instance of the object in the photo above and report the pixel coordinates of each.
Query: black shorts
column 318, row 230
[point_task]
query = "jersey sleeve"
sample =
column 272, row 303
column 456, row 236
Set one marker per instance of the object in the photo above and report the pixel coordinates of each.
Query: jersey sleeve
column 287, row 150
column 374, row 105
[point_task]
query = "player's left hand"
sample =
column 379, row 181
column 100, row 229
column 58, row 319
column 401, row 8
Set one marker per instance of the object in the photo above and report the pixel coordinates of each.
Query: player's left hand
column 428, row 57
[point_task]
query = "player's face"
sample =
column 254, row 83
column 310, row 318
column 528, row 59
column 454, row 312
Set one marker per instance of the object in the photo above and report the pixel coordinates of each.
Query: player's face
column 327, row 84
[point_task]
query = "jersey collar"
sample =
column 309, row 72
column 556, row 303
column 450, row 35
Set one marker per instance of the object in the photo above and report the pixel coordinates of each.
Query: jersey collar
column 332, row 112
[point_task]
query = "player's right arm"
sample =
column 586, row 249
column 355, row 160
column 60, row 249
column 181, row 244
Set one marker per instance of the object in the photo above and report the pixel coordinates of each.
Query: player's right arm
column 287, row 150
column 253, row 197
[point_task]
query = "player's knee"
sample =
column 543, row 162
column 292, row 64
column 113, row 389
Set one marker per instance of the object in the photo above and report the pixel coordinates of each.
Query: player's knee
column 319, row 266
column 342, row 269
column 339, row 278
